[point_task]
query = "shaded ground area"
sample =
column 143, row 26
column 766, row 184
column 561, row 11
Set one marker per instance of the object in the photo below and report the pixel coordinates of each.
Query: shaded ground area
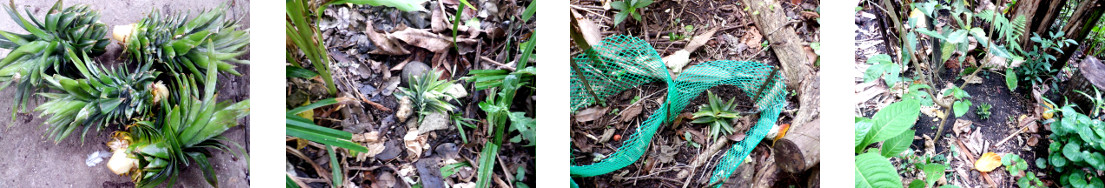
column 1010, row 111
column 597, row 131
column 38, row 162
column 369, row 73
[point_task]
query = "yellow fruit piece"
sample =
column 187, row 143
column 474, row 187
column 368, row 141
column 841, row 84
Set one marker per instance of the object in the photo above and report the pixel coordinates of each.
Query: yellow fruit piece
column 916, row 14
column 988, row 162
column 1047, row 111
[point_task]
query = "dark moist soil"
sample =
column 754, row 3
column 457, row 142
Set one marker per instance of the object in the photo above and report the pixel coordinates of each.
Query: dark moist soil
column 1005, row 105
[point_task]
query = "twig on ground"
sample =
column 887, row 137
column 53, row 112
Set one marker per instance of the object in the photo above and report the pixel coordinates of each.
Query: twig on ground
column 1024, row 126
column 496, row 63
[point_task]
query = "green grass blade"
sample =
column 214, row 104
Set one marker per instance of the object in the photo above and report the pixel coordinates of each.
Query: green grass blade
column 335, row 167
column 312, row 106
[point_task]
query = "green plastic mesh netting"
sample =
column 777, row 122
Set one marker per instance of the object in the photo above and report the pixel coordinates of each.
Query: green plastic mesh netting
column 625, row 62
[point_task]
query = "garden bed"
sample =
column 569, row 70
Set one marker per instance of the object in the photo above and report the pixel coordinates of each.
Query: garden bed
column 598, row 130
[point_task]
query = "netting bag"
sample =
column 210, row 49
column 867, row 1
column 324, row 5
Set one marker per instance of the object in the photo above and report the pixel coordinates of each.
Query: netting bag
column 624, row 62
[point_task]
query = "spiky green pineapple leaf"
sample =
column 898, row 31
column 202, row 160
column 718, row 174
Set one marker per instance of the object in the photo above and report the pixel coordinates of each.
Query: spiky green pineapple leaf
column 182, row 45
column 43, row 50
column 189, row 128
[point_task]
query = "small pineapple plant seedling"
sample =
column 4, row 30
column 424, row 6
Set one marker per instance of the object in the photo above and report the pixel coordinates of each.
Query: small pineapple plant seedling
column 102, row 97
column 42, row 52
column 427, row 93
column 983, row 111
column 157, row 150
column 179, row 44
column 719, row 114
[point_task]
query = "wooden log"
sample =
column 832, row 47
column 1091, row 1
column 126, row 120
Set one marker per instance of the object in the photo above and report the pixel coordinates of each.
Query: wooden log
column 799, row 73
column 815, row 178
column 800, row 148
column 786, row 44
column 766, row 173
column 1090, row 74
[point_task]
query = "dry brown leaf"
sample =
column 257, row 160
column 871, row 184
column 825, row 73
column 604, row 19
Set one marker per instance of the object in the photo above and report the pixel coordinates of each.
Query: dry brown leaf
column 590, row 114
column 737, row 136
column 1032, row 141
column 631, row 112
column 589, row 30
column 384, row 180
column 606, row 135
column 384, row 45
column 437, row 19
column 414, row 144
column 373, row 141
column 961, row 126
column 425, row 39
column 988, row 162
column 810, row 54
column 752, row 38
column 700, row 40
column 810, row 15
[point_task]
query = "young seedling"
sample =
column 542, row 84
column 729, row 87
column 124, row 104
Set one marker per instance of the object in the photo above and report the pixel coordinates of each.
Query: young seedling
column 719, row 114
column 983, row 111
column 628, row 8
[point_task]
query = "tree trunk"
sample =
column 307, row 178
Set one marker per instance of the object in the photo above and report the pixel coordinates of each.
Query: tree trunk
column 799, row 149
column 1027, row 8
column 1039, row 16
column 773, row 24
column 1078, row 27
column 1090, row 74
column 788, row 48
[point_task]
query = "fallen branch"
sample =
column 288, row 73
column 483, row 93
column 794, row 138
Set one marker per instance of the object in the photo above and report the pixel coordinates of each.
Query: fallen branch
column 722, row 141
column 1024, row 126
column 496, row 63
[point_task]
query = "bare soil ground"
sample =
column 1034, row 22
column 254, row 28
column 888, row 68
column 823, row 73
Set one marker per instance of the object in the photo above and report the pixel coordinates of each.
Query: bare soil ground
column 29, row 160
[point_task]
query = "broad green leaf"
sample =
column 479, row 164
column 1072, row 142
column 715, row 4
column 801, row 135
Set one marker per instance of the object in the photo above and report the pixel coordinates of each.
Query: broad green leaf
column 1095, row 159
column 875, row 171
column 933, row 172
column 946, row 51
column 882, row 65
column 620, row 17
column 1011, row 79
column 893, row 119
column 932, row 33
column 1073, row 152
column 863, row 125
column 961, row 107
column 1057, row 160
column 1077, row 179
column 958, row 36
column 895, row 146
column 917, row 183
column 879, row 59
